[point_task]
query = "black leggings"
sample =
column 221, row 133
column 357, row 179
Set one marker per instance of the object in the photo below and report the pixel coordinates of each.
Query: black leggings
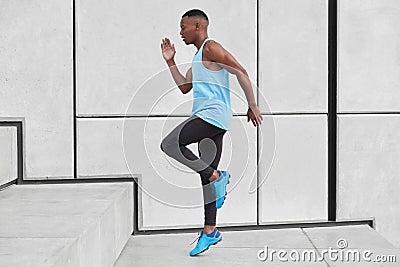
column 209, row 139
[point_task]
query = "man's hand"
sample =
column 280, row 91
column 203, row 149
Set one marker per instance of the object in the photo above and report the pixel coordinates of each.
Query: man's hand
column 168, row 50
column 254, row 115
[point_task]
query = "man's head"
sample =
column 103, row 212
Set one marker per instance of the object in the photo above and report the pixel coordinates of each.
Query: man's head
column 193, row 24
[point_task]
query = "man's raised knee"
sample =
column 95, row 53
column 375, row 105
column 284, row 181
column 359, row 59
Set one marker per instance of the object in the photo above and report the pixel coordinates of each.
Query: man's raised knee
column 165, row 146
column 162, row 146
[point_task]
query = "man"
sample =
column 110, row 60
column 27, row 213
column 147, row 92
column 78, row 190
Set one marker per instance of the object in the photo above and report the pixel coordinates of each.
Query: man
column 211, row 115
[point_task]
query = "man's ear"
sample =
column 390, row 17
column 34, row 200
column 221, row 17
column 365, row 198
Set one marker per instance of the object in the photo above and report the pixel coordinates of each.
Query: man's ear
column 197, row 26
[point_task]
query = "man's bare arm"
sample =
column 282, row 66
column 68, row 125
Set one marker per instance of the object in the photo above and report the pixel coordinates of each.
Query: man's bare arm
column 168, row 52
column 184, row 83
column 215, row 52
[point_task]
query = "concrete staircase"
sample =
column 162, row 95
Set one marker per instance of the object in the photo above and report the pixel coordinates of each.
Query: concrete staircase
column 91, row 224
column 84, row 224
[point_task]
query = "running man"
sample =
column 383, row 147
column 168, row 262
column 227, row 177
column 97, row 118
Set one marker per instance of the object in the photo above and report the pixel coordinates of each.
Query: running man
column 211, row 115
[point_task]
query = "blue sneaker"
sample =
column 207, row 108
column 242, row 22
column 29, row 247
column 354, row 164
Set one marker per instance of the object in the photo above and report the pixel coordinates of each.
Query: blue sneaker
column 205, row 241
column 219, row 187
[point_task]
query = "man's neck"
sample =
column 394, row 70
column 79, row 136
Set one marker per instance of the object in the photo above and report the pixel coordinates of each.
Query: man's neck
column 200, row 41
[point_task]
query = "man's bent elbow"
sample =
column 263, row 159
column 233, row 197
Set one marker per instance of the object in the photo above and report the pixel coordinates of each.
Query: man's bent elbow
column 241, row 72
column 162, row 146
column 185, row 89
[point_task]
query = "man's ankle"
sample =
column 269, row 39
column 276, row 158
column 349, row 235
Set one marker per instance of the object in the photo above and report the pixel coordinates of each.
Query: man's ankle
column 214, row 176
column 208, row 229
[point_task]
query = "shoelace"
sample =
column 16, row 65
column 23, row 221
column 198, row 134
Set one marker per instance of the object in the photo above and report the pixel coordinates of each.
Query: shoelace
column 198, row 236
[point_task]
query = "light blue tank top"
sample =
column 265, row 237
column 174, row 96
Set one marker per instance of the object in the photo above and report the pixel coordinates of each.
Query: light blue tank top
column 211, row 95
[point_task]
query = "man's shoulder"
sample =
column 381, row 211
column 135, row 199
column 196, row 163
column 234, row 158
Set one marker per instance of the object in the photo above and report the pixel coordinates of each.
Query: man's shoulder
column 212, row 46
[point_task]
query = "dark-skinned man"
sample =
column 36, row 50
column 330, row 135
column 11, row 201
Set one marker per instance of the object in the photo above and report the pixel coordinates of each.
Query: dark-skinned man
column 211, row 115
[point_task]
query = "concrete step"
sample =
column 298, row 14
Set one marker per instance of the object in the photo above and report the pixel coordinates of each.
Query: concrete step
column 241, row 248
column 85, row 224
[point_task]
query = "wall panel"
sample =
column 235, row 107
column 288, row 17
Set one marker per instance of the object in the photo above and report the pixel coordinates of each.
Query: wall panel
column 295, row 185
column 368, row 171
column 8, row 154
column 36, row 81
column 119, row 50
column 171, row 192
column 293, row 56
column 369, row 56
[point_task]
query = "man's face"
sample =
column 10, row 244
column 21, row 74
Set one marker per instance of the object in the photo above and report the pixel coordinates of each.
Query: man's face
column 188, row 29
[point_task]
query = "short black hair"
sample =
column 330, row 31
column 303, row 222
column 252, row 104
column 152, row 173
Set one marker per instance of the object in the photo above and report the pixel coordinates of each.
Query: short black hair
column 195, row 13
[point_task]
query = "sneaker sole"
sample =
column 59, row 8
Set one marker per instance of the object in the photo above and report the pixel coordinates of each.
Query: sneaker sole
column 207, row 248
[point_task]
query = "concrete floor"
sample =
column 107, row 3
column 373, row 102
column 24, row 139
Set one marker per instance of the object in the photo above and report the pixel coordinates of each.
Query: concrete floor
column 240, row 248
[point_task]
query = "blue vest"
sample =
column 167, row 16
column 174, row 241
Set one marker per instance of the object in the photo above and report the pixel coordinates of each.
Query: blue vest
column 211, row 95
